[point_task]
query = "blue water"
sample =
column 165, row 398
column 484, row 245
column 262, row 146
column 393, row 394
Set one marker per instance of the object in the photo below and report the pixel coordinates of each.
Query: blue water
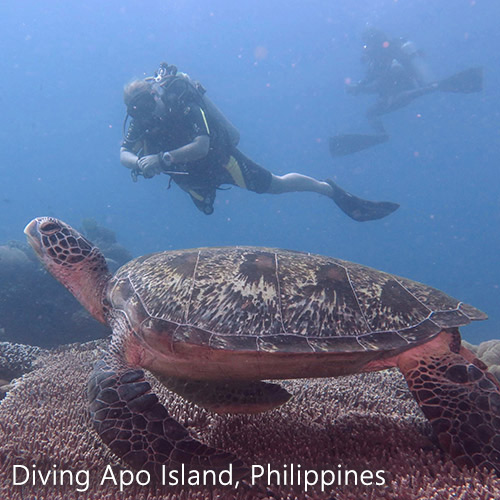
column 277, row 69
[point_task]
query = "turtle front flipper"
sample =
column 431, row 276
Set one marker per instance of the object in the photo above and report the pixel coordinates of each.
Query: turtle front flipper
column 460, row 398
column 229, row 396
column 138, row 428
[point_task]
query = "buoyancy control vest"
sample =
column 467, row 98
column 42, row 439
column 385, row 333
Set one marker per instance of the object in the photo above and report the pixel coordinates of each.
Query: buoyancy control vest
column 179, row 89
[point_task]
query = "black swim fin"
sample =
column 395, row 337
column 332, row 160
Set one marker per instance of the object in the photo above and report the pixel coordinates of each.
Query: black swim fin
column 358, row 209
column 465, row 82
column 346, row 144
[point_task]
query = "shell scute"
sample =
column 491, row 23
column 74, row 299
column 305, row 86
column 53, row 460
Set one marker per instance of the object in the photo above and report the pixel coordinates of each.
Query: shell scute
column 318, row 298
column 382, row 341
column 236, row 293
column 448, row 319
column 421, row 331
column 191, row 335
column 234, row 342
column 284, row 343
column 336, row 344
column 385, row 303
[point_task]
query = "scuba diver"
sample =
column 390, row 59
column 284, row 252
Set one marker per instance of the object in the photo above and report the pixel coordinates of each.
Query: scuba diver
column 398, row 74
column 176, row 130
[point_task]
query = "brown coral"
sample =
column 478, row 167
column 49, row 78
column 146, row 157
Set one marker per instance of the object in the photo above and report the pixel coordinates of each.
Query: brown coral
column 361, row 422
column 489, row 353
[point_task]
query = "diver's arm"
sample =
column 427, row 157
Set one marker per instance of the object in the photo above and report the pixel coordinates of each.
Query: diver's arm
column 155, row 164
column 195, row 150
column 369, row 84
column 128, row 158
column 198, row 132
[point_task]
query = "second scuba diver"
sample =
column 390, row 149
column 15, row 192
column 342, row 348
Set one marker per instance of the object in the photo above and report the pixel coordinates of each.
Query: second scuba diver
column 398, row 74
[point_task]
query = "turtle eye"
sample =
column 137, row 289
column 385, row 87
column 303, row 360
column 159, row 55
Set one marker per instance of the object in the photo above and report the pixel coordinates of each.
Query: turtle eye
column 50, row 227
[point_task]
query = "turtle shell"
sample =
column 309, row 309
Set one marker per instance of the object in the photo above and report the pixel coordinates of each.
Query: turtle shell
column 259, row 299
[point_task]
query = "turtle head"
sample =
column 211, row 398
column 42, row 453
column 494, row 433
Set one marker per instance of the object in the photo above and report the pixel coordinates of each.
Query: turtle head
column 72, row 259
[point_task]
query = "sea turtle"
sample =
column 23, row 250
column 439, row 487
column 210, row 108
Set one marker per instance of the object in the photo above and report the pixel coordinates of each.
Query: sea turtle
column 213, row 323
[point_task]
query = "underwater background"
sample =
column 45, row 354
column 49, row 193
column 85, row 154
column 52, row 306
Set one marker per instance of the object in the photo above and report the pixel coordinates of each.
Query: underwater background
column 277, row 69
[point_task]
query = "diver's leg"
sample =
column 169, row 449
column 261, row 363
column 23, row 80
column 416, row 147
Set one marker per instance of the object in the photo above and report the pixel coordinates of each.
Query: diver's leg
column 245, row 173
column 404, row 98
column 261, row 180
column 379, row 108
column 294, row 182
column 356, row 208
column 400, row 100
column 377, row 126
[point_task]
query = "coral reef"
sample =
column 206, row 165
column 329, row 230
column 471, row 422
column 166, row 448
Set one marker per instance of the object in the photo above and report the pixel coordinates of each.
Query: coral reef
column 16, row 360
column 14, row 261
column 361, row 422
column 489, row 353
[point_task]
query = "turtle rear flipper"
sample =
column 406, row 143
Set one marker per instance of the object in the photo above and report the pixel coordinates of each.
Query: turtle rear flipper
column 459, row 397
column 138, row 428
column 228, row 396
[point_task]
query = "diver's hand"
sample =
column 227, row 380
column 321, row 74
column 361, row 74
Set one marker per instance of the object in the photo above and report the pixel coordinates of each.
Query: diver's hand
column 150, row 165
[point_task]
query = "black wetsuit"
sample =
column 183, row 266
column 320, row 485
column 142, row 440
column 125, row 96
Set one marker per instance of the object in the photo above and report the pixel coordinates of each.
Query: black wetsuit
column 224, row 164
column 392, row 73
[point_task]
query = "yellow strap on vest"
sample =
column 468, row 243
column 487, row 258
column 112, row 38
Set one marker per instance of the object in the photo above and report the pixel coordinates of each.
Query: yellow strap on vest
column 205, row 120
column 235, row 171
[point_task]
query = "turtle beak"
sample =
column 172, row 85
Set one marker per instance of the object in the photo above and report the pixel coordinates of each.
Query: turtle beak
column 33, row 236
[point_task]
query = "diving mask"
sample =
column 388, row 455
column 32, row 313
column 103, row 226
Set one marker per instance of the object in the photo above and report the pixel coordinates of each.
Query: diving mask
column 142, row 105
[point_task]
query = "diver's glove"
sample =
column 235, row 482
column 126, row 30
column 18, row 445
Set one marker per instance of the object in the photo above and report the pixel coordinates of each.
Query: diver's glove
column 150, row 165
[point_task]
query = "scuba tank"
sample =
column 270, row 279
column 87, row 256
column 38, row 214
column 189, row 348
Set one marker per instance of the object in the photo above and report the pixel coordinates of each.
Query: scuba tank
column 416, row 62
column 213, row 111
column 167, row 76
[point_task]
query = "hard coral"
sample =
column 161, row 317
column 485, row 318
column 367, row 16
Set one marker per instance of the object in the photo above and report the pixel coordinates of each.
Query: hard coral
column 16, row 359
column 489, row 352
column 361, row 422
